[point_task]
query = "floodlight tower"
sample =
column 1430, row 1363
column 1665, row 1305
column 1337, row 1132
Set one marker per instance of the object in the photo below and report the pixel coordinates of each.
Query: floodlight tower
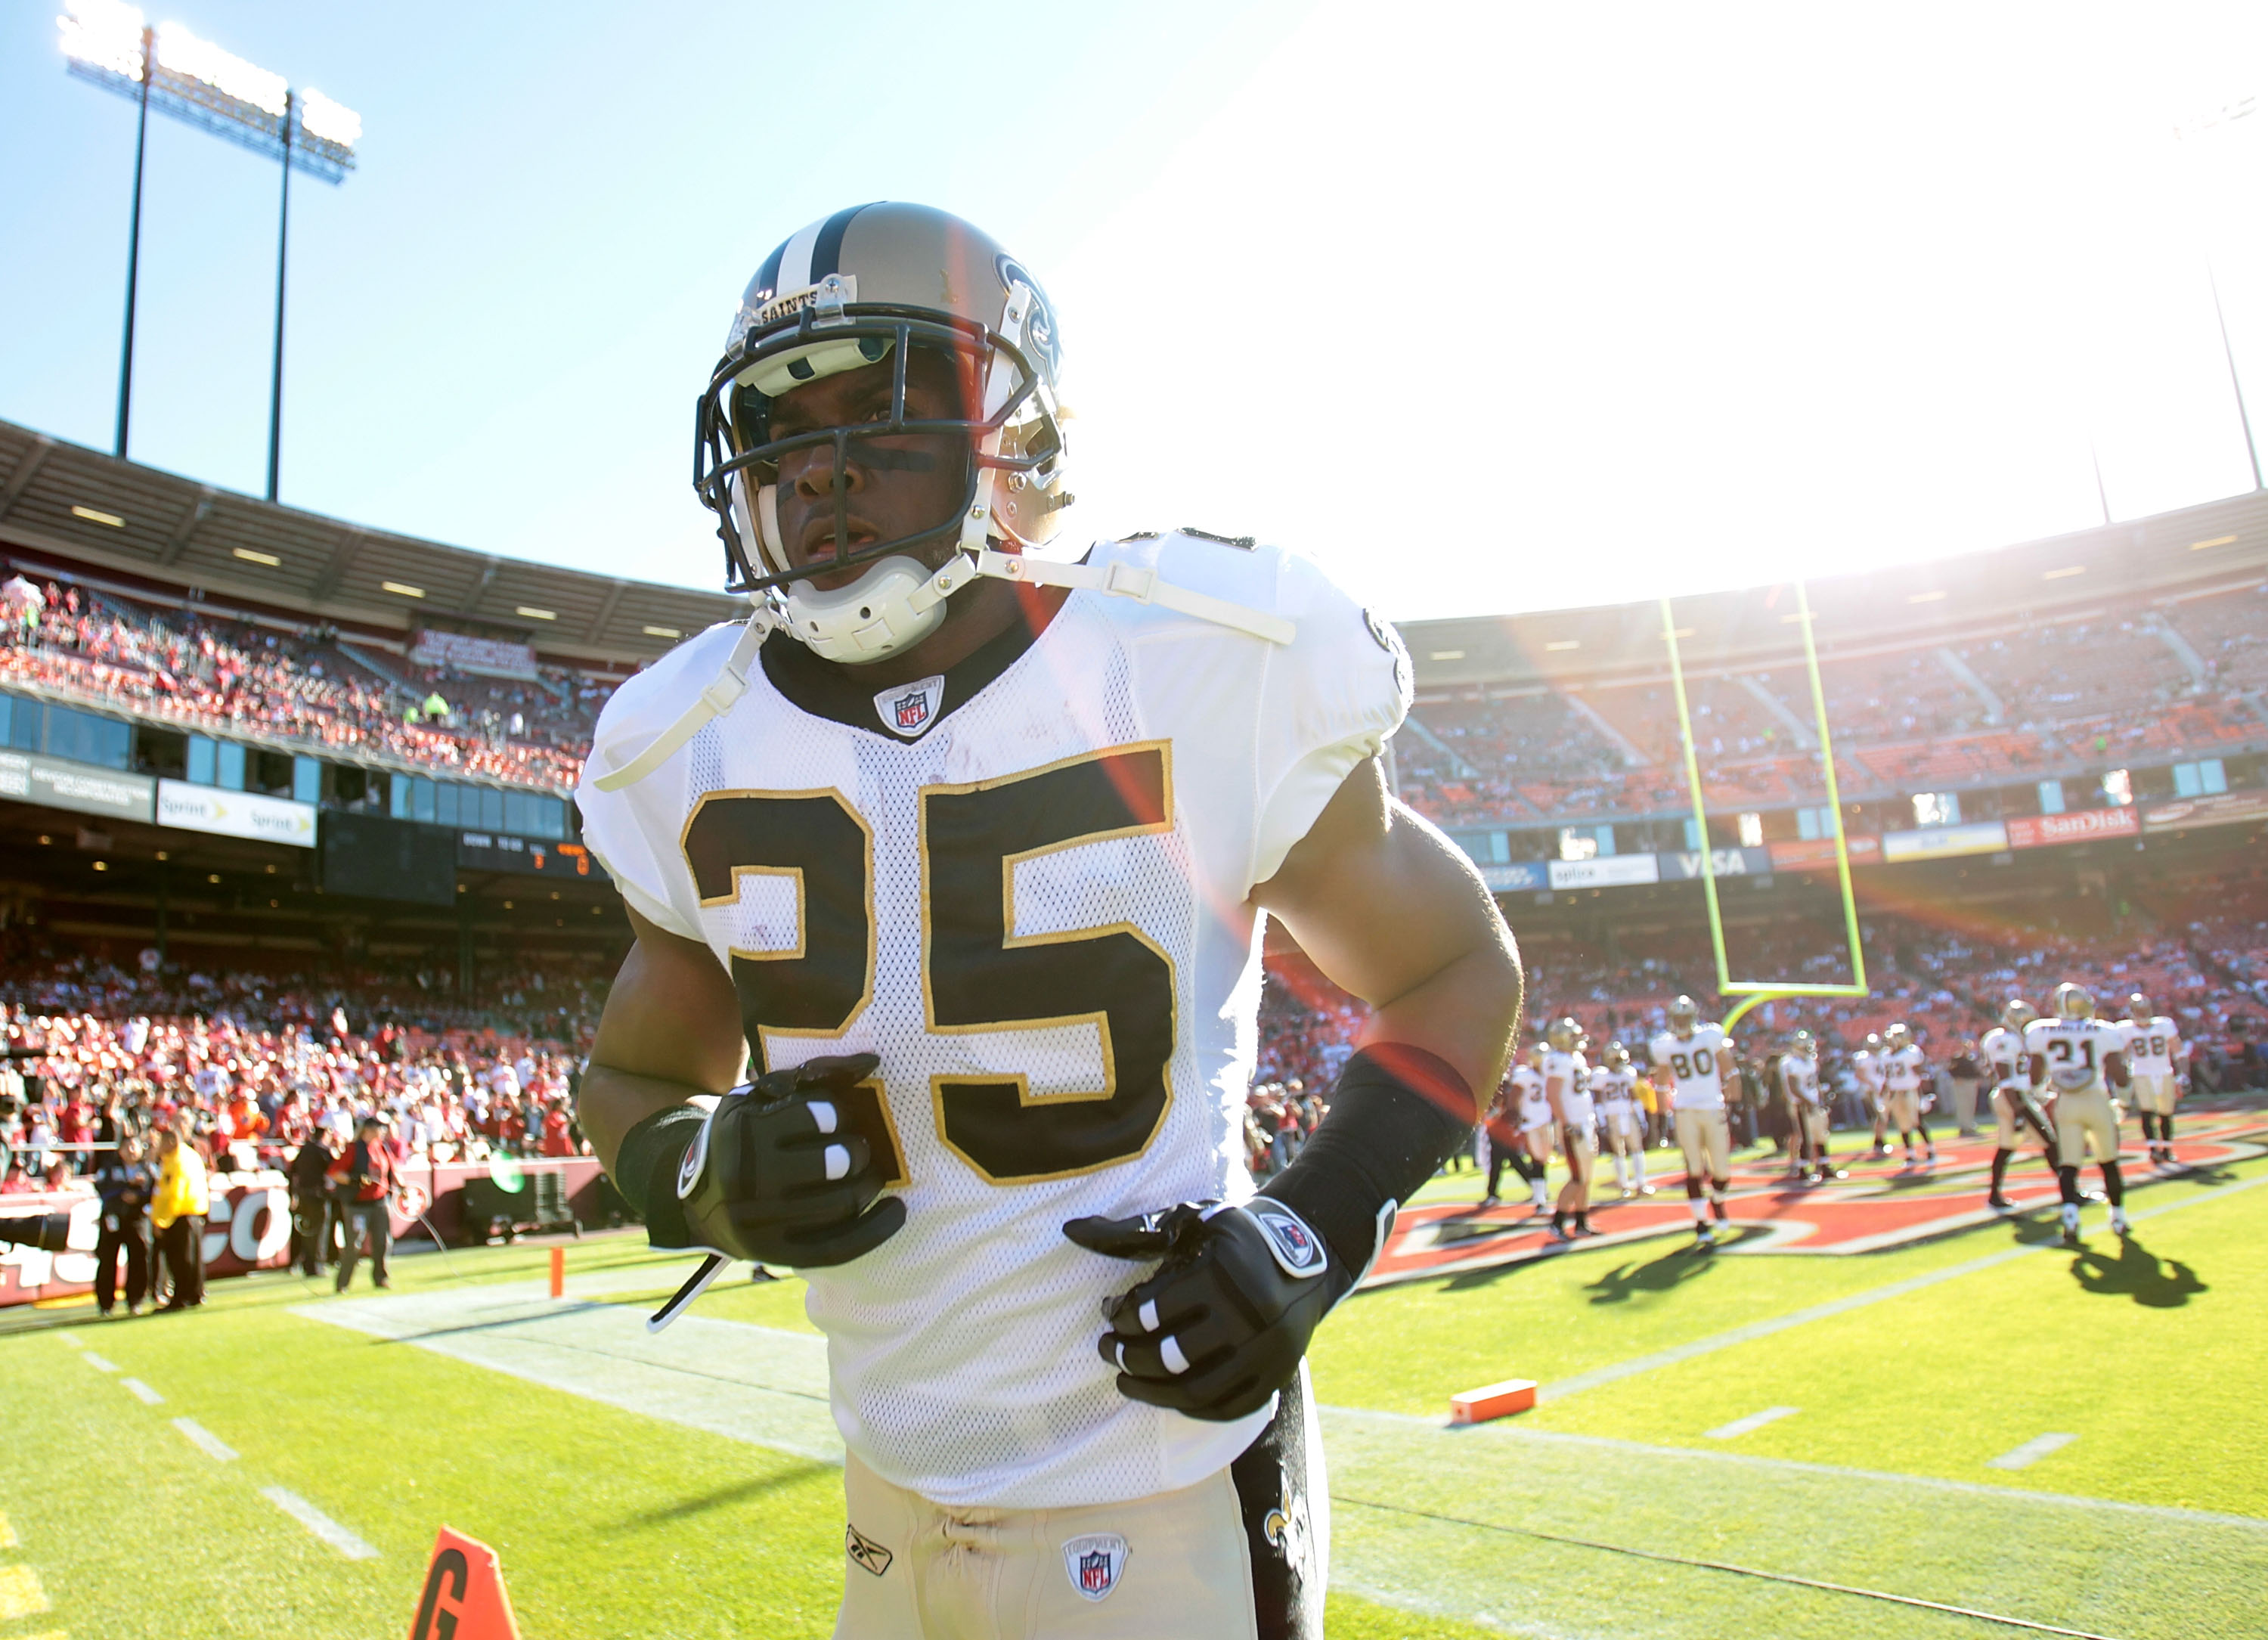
column 169, row 68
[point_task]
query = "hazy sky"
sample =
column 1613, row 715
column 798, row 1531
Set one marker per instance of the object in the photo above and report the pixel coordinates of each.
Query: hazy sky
column 1489, row 307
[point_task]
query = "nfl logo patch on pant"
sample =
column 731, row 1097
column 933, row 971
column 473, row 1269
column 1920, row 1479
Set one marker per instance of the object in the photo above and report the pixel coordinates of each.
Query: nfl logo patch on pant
column 1094, row 1563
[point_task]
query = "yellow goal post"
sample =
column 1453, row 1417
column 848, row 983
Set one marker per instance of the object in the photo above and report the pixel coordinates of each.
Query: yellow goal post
column 1756, row 991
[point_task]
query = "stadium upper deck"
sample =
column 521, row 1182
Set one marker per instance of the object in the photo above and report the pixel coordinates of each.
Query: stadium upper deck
column 2138, row 648
column 79, row 509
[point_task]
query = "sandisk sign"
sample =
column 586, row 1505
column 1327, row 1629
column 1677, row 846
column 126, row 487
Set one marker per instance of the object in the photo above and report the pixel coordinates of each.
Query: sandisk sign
column 2082, row 826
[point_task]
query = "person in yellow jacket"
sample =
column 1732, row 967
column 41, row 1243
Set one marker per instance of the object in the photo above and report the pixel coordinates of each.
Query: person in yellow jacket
column 177, row 1211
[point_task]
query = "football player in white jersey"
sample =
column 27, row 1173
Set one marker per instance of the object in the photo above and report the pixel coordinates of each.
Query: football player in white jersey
column 1614, row 1085
column 2014, row 1103
column 1866, row 1066
column 1531, row 1117
column 2082, row 1058
column 962, row 851
column 1700, row 1058
column 2155, row 1055
column 1902, row 1066
column 1567, row 1086
column 1511, row 1117
column 1810, row 1124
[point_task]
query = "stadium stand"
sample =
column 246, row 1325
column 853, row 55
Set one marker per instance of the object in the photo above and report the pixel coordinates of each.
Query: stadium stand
column 408, row 696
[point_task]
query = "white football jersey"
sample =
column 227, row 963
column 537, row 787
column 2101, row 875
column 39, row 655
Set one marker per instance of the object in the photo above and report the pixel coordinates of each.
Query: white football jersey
column 1901, row 1072
column 1530, row 1107
column 1572, row 1073
column 1615, row 1090
column 1798, row 1073
column 1026, row 885
column 2074, row 1051
column 1700, row 1064
column 2153, row 1046
column 1867, row 1068
column 2004, row 1051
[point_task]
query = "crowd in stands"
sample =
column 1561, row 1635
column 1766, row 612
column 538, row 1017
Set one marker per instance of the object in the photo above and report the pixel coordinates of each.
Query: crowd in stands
column 220, row 677
column 257, row 1061
column 2180, row 680
column 256, row 1065
column 1947, row 984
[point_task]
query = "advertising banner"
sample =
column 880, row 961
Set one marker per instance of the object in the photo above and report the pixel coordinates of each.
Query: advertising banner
column 235, row 814
column 250, row 1225
column 2082, row 825
column 248, row 1229
column 1946, row 842
column 30, row 779
column 2223, row 808
column 1515, row 878
column 484, row 657
column 1818, row 853
column 1606, row 871
column 1685, row 866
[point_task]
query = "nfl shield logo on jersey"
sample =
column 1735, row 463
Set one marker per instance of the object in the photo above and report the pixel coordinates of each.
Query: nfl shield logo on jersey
column 1094, row 1563
column 912, row 707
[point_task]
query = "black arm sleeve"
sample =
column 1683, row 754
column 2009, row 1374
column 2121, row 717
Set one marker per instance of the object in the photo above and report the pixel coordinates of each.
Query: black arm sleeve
column 1397, row 1113
column 646, row 1169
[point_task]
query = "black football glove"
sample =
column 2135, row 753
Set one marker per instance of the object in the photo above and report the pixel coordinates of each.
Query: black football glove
column 1222, row 1325
column 777, row 1177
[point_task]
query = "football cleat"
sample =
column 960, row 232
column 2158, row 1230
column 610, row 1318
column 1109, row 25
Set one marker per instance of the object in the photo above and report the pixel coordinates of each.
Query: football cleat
column 1705, row 1240
column 2118, row 1226
column 1999, row 1203
column 2070, row 1225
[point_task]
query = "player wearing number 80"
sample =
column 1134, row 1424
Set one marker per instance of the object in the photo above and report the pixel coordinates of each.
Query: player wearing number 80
column 965, row 847
column 1699, row 1057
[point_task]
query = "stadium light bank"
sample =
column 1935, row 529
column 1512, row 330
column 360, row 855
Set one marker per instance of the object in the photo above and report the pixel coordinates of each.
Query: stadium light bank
column 170, row 70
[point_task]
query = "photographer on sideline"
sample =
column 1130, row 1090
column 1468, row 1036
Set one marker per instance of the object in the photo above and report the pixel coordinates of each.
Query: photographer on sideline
column 125, row 1182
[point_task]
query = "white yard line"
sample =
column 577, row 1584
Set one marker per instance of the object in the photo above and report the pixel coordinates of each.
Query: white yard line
column 1504, row 1431
column 1754, row 1420
column 100, row 1363
column 1599, row 1377
column 319, row 1523
column 141, row 1391
column 7, row 1534
column 2030, row 1452
column 72, row 1339
column 205, row 1441
column 761, row 1385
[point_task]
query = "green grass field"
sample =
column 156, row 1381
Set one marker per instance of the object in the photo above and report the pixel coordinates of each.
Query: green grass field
column 684, row 1486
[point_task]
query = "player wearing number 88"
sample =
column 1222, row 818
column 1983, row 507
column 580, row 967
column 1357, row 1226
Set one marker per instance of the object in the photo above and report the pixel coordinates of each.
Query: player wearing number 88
column 1700, row 1057
column 2080, row 1058
column 963, row 849
column 2154, row 1050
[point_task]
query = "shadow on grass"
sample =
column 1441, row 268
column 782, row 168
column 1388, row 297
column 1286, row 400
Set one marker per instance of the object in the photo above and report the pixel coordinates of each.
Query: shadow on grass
column 740, row 1492
column 2138, row 1273
column 1663, row 1273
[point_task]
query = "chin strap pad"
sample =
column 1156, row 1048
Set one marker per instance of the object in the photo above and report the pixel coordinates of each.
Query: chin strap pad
column 731, row 682
column 1141, row 584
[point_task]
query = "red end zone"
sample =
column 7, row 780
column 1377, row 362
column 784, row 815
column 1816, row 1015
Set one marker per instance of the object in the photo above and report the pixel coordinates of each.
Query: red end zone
column 1882, row 1204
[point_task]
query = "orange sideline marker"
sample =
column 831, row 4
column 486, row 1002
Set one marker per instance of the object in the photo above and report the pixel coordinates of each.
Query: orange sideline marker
column 464, row 1597
column 1495, row 1401
column 559, row 1272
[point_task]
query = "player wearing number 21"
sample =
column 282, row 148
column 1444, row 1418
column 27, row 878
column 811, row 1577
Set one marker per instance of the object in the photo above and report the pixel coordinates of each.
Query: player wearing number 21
column 948, row 871
column 2081, row 1058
